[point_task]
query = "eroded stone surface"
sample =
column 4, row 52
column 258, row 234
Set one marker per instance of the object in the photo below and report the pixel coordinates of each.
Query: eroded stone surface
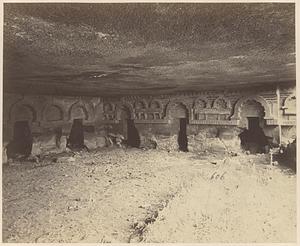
column 187, row 47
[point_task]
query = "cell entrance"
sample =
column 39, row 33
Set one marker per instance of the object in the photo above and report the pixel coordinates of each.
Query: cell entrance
column 253, row 123
column 130, row 132
column 76, row 138
column 133, row 138
column 182, row 137
column 253, row 138
column 22, row 140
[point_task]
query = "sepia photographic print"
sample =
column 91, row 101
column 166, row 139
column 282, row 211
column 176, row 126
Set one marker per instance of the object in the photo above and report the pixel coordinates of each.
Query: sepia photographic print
column 149, row 122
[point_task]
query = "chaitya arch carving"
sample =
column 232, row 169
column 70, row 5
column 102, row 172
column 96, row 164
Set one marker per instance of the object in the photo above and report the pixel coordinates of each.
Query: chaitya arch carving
column 172, row 105
column 22, row 110
column 289, row 106
column 125, row 106
column 200, row 103
column 53, row 112
column 221, row 103
column 155, row 105
column 140, row 105
column 237, row 108
column 108, row 107
column 78, row 110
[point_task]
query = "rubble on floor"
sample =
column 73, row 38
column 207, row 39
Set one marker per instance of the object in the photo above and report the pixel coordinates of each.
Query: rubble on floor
column 129, row 195
column 287, row 155
column 241, row 201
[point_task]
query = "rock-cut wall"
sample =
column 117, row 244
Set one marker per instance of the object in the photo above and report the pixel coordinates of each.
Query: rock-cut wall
column 213, row 119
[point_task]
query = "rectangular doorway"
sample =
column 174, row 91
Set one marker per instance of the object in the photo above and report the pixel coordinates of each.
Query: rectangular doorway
column 22, row 138
column 182, row 137
column 253, row 123
column 76, row 137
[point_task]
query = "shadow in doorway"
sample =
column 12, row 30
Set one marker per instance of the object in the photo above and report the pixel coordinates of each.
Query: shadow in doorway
column 21, row 145
column 133, row 137
column 76, row 137
column 182, row 137
column 253, row 139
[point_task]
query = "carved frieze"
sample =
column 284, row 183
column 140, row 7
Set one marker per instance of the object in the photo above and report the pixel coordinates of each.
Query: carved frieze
column 203, row 110
column 109, row 112
column 145, row 111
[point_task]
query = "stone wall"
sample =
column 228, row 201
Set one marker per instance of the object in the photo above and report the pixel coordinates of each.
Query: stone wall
column 215, row 118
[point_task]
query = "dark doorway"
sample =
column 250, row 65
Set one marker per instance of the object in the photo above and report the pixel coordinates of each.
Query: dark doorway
column 76, row 138
column 253, row 123
column 133, row 138
column 253, row 138
column 22, row 140
column 58, row 135
column 182, row 137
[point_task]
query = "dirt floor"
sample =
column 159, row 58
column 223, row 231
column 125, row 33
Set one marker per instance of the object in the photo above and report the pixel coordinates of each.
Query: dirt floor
column 130, row 195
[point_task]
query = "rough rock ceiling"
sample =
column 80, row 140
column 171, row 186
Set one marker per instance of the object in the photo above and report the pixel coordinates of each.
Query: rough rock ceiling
column 135, row 48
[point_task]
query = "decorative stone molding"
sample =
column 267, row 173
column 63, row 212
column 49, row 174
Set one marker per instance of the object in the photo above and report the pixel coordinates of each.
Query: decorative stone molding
column 274, row 122
column 214, row 122
column 155, row 105
column 109, row 111
column 60, row 112
column 108, row 107
column 110, row 122
column 156, row 121
column 25, row 111
column 127, row 106
column 222, row 103
column 203, row 110
column 173, row 104
column 140, row 105
column 78, row 110
column 288, row 122
column 200, row 103
column 237, row 108
column 289, row 107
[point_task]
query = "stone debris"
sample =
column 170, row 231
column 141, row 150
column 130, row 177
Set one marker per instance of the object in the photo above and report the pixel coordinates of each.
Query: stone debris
column 238, row 198
column 65, row 159
column 92, row 195
column 167, row 143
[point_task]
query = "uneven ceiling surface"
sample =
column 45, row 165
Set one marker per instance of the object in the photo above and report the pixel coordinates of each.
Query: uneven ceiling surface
column 135, row 48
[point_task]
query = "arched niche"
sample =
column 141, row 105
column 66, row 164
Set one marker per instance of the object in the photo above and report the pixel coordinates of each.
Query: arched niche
column 78, row 111
column 23, row 112
column 53, row 112
column 155, row 105
column 108, row 107
column 125, row 107
column 125, row 112
column 140, row 105
column 251, row 109
column 177, row 110
column 289, row 106
column 200, row 103
column 221, row 103
column 237, row 108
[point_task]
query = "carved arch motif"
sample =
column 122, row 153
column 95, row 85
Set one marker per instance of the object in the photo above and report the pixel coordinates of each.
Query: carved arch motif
column 155, row 104
column 22, row 110
column 78, row 110
column 53, row 112
column 221, row 103
column 125, row 105
column 237, row 108
column 140, row 105
column 289, row 106
column 173, row 104
column 200, row 103
column 108, row 107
